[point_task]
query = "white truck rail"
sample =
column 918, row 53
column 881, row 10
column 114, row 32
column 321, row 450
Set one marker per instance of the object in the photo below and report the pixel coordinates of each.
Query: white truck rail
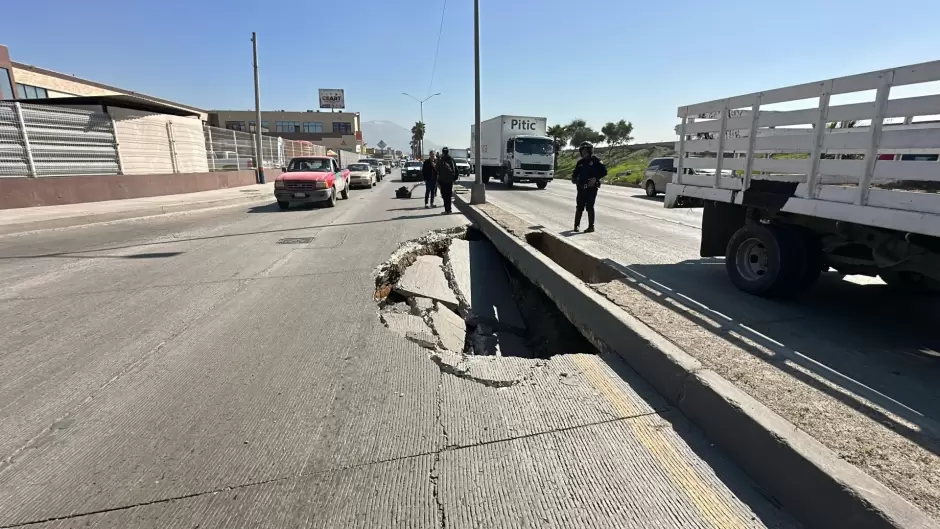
column 824, row 183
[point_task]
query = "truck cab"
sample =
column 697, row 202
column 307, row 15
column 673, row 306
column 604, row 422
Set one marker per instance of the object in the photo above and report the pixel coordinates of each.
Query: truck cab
column 529, row 159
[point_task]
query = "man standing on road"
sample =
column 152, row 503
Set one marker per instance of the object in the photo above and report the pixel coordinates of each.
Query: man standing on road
column 429, row 172
column 587, row 176
column 446, row 176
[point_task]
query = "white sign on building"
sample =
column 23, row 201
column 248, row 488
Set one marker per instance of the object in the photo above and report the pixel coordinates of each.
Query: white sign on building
column 332, row 98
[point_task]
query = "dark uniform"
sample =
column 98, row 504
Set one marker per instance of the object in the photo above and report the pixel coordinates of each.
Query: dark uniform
column 584, row 170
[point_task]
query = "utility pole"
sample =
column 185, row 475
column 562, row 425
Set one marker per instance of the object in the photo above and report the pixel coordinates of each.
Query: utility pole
column 478, row 191
column 421, row 103
column 259, row 156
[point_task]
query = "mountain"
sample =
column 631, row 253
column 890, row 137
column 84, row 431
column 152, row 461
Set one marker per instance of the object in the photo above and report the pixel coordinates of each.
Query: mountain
column 396, row 136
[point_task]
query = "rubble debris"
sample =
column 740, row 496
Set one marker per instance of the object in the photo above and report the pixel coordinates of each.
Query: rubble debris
column 420, row 306
column 402, row 324
column 425, row 277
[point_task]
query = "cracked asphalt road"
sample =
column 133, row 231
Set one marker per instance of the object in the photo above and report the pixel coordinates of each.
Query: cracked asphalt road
column 198, row 370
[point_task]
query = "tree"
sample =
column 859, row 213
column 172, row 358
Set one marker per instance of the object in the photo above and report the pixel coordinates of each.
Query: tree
column 618, row 133
column 417, row 134
column 561, row 134
column 581, row 132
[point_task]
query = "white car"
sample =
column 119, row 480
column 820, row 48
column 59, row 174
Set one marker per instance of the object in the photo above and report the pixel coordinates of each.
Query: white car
column 378, row 166
column 361, row 175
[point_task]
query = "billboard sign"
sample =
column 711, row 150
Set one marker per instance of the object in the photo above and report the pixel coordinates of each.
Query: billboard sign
column 332, row 98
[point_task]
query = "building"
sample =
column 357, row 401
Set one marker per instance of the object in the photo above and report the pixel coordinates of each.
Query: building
column 334, row 130
column 23, row 82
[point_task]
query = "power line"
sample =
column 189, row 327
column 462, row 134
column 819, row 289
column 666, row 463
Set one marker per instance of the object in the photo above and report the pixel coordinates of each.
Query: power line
column 438, row 48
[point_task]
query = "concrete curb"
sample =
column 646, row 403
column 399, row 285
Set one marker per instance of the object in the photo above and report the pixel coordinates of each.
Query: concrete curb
column 809, row 481
column 128, row 214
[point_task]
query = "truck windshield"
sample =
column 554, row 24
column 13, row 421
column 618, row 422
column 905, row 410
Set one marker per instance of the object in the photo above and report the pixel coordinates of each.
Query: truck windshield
column 534, row 146
column 308, row 164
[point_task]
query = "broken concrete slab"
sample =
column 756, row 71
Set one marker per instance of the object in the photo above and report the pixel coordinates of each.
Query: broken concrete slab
column 450, row 328
column 402, row 324
column 425, row 278
column 474, row 369
column 482, row 282
column 420, row 306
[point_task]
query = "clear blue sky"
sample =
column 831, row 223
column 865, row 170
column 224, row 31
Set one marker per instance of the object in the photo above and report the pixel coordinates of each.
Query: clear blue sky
column 599, row 60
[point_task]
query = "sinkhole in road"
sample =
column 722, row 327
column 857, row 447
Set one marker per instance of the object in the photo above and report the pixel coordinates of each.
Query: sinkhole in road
column 451, row 291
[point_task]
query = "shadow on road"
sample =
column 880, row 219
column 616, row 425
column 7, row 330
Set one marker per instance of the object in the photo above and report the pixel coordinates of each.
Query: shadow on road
column 657, row 198
column 877, row 348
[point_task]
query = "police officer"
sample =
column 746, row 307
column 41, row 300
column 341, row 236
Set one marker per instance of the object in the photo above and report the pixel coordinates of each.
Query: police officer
column 587, row 176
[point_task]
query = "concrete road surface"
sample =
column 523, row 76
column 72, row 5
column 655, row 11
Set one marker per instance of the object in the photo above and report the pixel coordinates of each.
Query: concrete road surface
column 854, row 343
column 229, row 369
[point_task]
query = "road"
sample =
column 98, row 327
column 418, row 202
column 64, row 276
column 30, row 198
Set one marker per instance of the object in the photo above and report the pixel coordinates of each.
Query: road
column 228, row 368
column 856, row 357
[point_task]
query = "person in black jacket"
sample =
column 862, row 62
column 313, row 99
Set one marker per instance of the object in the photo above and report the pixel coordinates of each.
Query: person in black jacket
column 429, row 172
column 587, row 176
column 446, row 176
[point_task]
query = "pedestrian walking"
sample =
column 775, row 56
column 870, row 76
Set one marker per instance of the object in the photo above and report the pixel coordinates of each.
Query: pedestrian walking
column 429, row 172
column 587, row 176
column 446, row 176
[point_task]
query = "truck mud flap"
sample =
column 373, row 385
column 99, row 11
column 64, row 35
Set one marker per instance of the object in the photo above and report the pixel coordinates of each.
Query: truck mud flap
column 719, row 222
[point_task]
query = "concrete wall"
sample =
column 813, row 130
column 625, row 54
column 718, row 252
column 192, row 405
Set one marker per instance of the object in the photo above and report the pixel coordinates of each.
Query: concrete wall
column 53, row 191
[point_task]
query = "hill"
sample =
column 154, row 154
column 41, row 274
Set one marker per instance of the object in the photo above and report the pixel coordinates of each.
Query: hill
column 627, row 161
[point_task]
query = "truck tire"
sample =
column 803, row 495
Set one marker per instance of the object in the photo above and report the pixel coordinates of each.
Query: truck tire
column 541, row 185
column 650, row 189
column 764, row 260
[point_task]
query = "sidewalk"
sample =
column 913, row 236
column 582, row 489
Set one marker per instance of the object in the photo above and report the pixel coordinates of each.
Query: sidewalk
column 40, row 218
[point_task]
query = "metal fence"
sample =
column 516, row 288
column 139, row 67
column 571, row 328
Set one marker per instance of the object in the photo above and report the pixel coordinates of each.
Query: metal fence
column 42, row 141
column 228, row 150
column 38, row 140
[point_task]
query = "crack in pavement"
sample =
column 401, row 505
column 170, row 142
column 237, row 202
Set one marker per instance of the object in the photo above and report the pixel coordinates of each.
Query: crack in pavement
column 434, row 477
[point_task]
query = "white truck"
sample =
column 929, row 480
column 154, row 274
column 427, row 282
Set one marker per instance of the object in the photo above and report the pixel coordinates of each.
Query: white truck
column 791, row 193
column 515, row 149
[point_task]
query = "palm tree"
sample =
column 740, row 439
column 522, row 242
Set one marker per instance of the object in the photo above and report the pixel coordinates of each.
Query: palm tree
column 417, row 133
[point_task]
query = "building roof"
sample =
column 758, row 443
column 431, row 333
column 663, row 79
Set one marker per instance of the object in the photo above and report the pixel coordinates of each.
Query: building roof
column 73, row 78
column 132, row 102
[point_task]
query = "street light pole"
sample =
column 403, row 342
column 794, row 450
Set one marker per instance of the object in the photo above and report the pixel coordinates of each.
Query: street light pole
column 421, row 104
column 259, row 154
column 478, row 191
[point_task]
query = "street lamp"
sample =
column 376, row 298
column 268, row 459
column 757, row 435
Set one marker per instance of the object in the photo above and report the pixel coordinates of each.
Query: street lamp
column 478, row 191
column 421, row 102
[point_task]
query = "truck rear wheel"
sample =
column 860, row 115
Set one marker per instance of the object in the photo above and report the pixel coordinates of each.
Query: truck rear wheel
column 764, row 260
column 486, row 177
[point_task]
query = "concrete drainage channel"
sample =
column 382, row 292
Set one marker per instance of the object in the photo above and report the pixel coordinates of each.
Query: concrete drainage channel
column 452, row 293
column 803, row 476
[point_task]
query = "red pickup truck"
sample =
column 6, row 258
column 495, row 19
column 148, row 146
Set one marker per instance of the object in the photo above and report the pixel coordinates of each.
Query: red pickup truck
column 311, row 179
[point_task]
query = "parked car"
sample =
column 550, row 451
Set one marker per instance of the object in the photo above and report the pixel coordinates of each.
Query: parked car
column 411, row 171
column 659, row 172
column 379, row 167
column 311, row 179
column 361, row 175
